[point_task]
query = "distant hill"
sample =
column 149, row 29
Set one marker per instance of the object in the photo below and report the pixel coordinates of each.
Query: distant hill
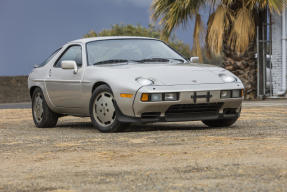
column 14, row 89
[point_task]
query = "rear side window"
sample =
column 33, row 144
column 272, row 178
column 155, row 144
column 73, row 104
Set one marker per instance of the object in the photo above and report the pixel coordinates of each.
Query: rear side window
column 73, row 53
column 49, row 58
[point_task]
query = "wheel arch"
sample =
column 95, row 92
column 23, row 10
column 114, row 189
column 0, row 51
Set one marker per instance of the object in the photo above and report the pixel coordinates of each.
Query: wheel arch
column 99, row 83
column 32, row 89
column 126, row 107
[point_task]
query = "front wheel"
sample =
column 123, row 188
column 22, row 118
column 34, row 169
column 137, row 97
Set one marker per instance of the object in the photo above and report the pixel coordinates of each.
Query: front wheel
column 220, row 122
column 42, row 115
column 103, row 111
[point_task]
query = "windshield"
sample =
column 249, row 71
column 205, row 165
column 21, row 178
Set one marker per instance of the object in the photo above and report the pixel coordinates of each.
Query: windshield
column 48, row 59
column 136, row 50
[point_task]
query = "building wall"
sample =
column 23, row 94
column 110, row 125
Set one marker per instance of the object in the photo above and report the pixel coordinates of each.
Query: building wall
column 276, row 53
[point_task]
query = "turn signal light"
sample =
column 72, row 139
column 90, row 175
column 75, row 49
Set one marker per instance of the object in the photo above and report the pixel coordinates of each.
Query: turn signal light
column 144, row 97
column 126, row 95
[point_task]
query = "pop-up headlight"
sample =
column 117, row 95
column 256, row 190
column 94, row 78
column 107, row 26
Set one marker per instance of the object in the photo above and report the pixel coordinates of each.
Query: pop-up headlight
column 227, row 78
column 144, row 81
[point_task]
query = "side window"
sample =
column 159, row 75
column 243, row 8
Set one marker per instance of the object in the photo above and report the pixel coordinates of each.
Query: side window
column 73, row 53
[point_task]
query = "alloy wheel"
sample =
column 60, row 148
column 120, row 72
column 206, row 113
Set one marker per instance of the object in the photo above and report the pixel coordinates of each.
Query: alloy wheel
column 103, row 109
column 38, row 108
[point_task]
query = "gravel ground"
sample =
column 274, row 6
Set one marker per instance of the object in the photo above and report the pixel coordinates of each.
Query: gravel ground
column 249, row 156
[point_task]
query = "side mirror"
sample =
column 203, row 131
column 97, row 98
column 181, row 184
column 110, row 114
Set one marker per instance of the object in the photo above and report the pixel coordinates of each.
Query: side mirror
column 194, row 59
column 69, row 64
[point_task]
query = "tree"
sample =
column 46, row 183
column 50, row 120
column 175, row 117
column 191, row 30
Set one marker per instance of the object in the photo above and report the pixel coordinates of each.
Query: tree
column 230, row 30
column 150, row 31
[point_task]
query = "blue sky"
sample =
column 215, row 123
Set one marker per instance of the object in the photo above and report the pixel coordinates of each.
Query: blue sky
column 31, row 29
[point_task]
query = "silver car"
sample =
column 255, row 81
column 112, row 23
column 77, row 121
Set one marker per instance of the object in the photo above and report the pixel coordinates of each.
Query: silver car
column 120, row 80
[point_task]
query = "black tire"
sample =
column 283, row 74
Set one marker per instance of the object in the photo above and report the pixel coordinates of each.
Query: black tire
column 49, row 118
column 115, row 126
column 220, row 122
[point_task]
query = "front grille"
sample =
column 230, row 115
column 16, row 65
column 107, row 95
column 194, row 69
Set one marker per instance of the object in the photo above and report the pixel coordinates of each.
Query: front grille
column 194, row 108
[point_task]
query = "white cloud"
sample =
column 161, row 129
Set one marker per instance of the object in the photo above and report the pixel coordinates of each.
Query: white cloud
column 139, row 3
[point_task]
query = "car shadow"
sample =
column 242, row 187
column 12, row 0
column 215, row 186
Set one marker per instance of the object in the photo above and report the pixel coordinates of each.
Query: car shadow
column 76, row 125
column 148, row 127
column 169, row 127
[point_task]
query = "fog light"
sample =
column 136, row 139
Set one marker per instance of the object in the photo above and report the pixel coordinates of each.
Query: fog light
column 225, row 94
column 156, row 97
column 236, row 93
column 170, row 96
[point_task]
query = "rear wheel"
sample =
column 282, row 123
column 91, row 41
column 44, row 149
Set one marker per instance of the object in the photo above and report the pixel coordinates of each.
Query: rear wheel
column 103, row 111
column 220, row 122
column 42, row 115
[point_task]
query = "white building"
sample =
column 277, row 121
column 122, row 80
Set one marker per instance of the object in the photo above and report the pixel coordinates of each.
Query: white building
column 279, row 52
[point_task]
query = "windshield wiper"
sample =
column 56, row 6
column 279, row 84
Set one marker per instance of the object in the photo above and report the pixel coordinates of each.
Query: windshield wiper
column 180, row 60
column 153, row 60
column 164, row 60
column 159, row 60
column 111, row 61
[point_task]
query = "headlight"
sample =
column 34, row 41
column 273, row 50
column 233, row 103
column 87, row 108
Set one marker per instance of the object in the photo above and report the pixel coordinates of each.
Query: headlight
column 171, row 96
column 225, row 94
column 144, row 81
column 155, row 97
column 227, row 78
column 236, row 93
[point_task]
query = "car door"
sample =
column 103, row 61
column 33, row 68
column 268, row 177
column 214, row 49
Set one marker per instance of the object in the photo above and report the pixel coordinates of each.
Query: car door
column 64, row 85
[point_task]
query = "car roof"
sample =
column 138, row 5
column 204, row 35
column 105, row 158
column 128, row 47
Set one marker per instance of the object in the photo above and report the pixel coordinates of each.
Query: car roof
column 89, row 39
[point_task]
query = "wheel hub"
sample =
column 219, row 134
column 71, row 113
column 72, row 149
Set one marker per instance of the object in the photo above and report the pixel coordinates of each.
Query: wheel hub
column 104, row 110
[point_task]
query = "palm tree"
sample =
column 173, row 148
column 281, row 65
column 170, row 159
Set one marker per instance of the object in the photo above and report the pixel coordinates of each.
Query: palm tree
column 231, row 30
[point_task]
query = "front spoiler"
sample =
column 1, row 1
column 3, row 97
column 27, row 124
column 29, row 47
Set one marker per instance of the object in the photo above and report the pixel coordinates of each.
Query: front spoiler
column 175, row 117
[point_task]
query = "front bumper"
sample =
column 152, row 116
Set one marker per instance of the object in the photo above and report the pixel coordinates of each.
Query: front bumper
column 186, row 108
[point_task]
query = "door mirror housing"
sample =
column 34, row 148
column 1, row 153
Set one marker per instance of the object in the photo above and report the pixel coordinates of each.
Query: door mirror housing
column 69, row 64
column 194, row 59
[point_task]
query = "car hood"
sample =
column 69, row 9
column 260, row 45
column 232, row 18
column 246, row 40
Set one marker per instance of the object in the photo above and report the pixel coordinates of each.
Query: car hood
column 168, row 74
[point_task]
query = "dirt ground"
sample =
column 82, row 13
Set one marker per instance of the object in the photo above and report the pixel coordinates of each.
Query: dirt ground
column 249, row 156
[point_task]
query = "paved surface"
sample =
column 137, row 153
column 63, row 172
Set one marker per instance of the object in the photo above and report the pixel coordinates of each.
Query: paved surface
column 249, row 156
column 15, row 105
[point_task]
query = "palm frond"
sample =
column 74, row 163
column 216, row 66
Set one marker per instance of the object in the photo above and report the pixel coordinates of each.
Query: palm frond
column 173, row 13
column 198, row 29
column 243, row 31
column 219, row 22
column 273, row 5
